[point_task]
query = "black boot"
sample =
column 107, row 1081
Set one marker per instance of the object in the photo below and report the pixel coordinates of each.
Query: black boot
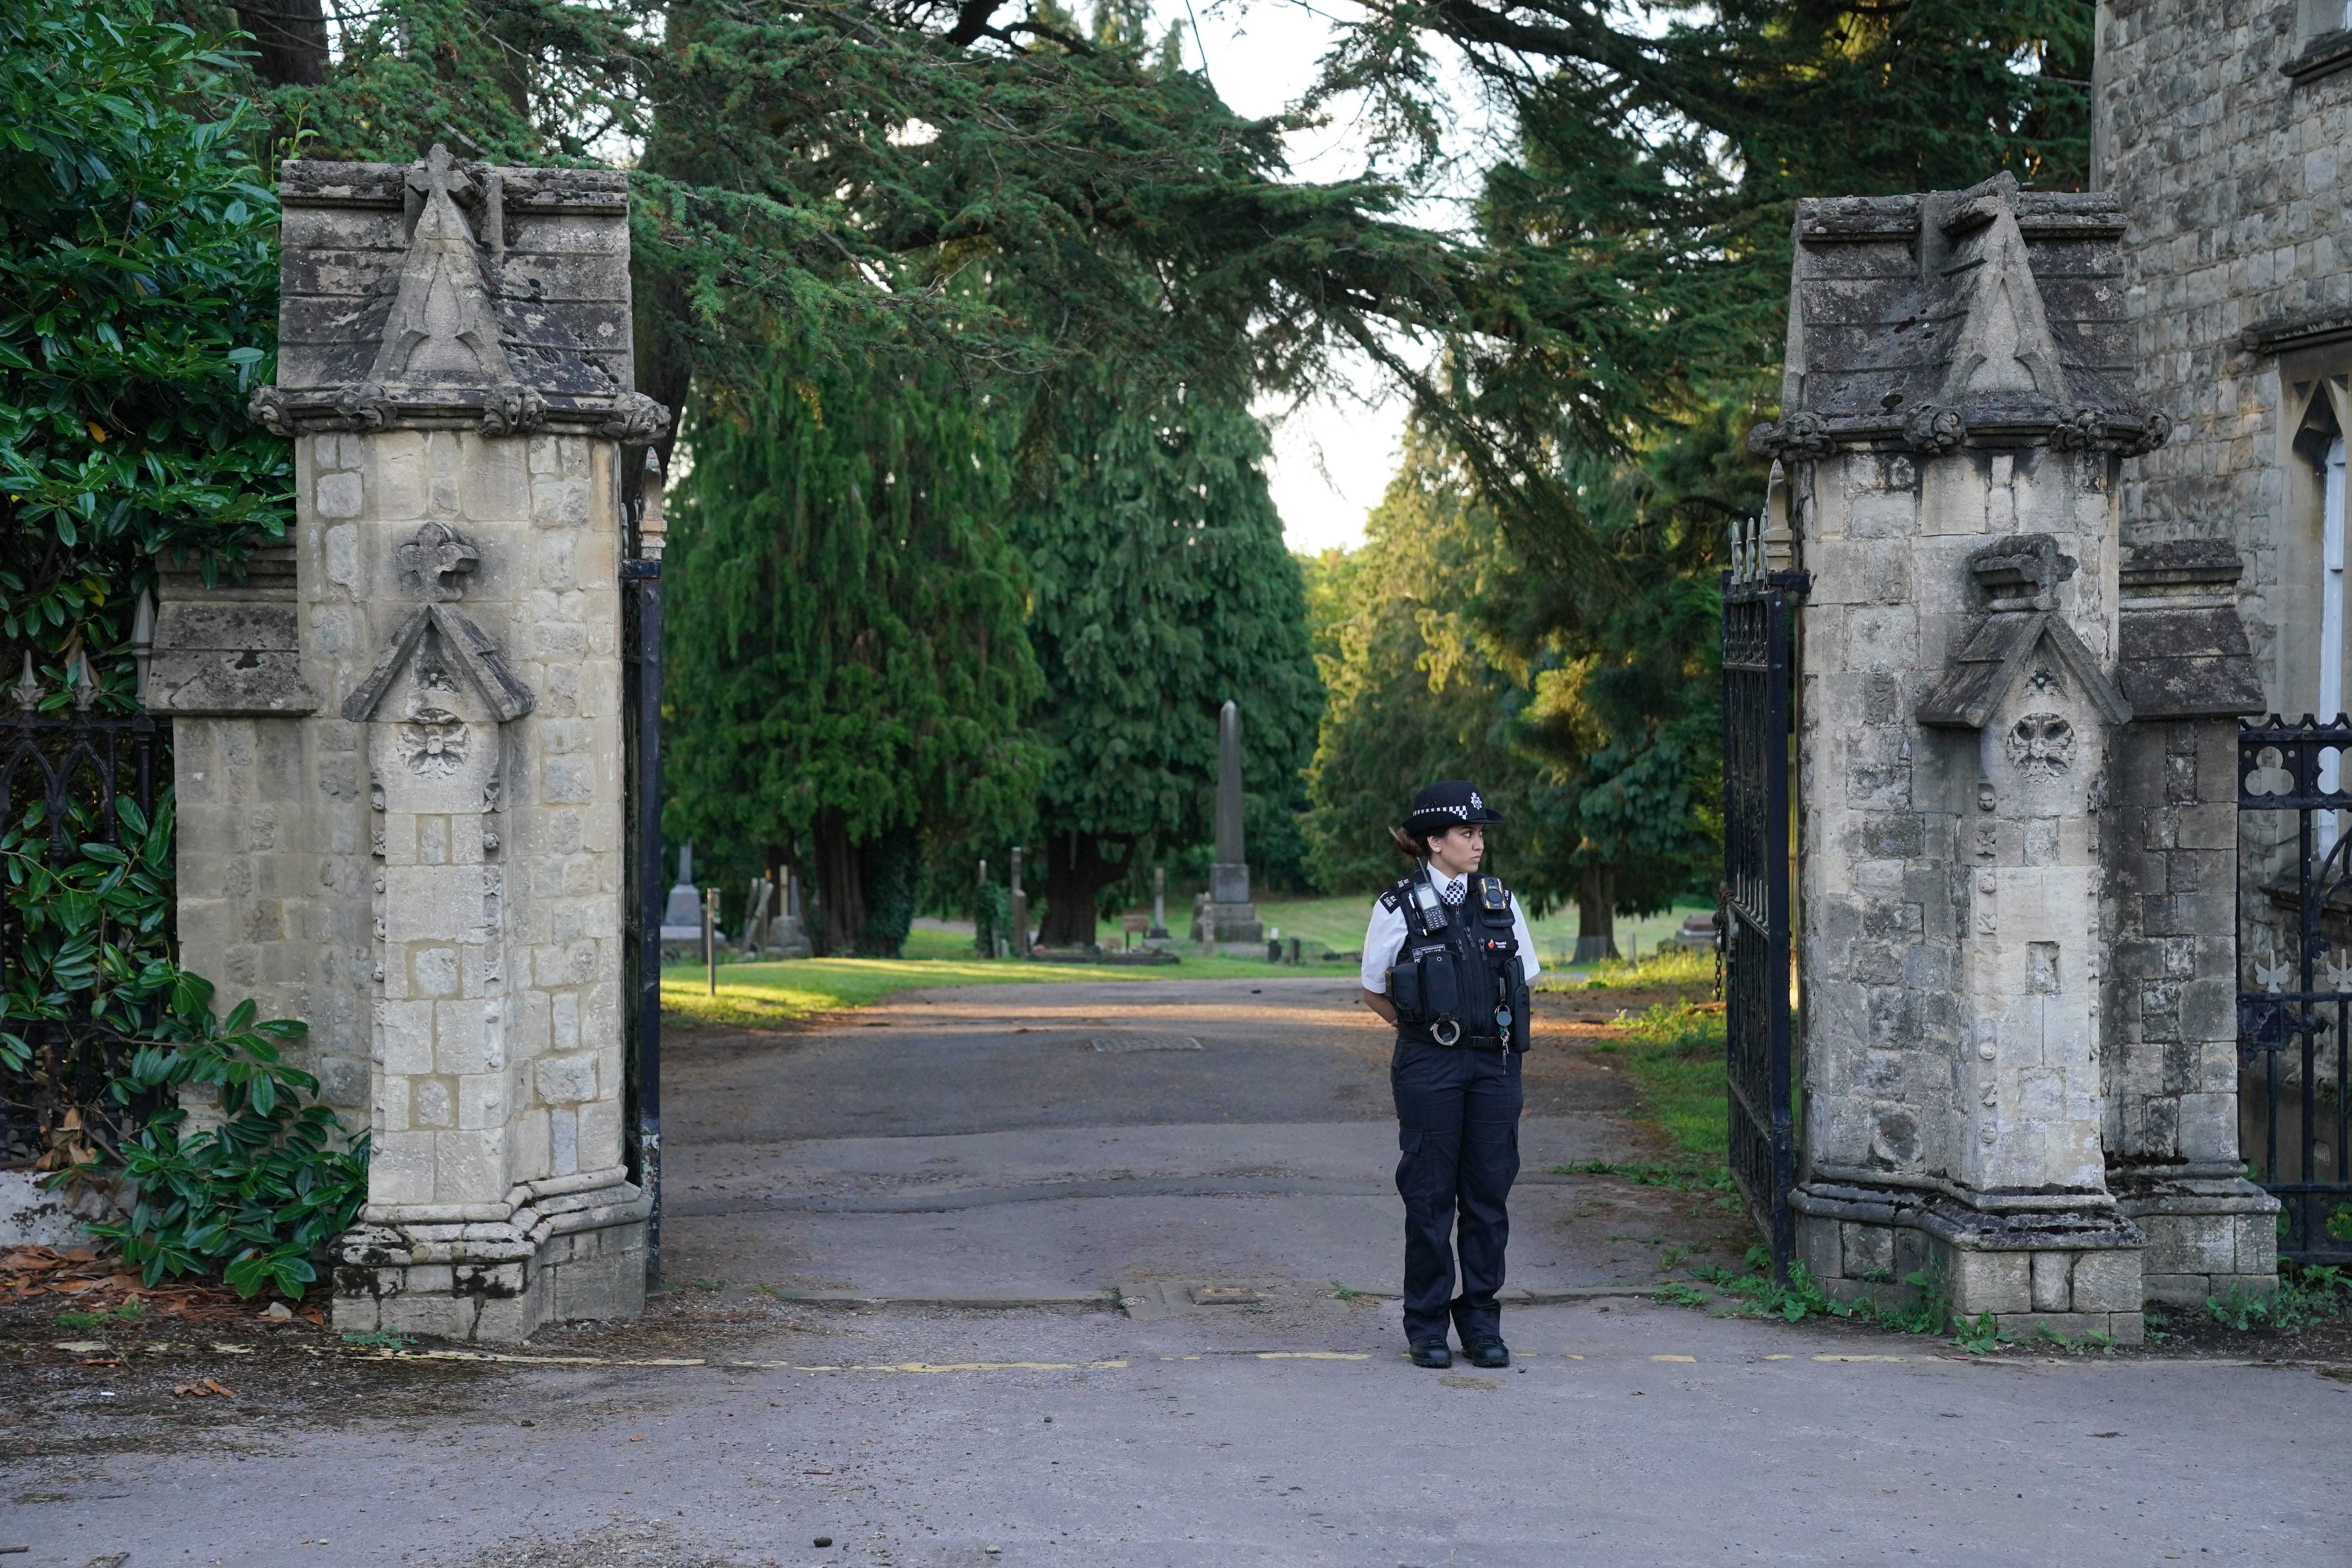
column 1489, row 1354
column 1431, row 1352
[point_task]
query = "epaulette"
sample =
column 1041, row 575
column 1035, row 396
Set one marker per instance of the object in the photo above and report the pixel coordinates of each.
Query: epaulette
column 1393, row 899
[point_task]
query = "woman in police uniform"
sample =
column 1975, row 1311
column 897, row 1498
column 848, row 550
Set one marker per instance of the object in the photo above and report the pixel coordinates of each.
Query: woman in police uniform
column 1447, row 959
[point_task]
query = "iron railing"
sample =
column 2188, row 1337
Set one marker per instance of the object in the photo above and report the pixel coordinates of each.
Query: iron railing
column 73, row 767
column 2294, row 997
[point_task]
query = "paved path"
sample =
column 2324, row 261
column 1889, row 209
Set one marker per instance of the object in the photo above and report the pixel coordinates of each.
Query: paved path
column 1644, row 1434
column 1053, row 1140
column 975, row 1141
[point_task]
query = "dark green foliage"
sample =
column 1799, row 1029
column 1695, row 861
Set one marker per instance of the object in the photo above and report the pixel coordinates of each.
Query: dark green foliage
column 92, row 946
column 252, row 1198
column 845, row 658
column 833, row 177
column 1418, row 692
column 1636, row 245
column 1161, row 588
column 138, row 302
column 890, row 872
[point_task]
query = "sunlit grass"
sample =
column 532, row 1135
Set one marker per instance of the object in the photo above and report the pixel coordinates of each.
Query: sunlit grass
column 1685, row 966
column 752, row 995
column 1675, row 1052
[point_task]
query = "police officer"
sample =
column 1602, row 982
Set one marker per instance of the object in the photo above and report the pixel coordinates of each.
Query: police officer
column 1447, row 959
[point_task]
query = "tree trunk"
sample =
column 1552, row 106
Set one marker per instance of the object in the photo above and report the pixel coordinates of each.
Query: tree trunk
column 840, row 888
column 289, row 41
column 1596, row 914
column 1075, row 874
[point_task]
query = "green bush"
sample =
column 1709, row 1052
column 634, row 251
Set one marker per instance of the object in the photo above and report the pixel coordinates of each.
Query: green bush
column 251, row 1198
column 138, row 307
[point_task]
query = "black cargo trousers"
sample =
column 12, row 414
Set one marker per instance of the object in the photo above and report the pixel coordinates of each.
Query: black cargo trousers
column 1458, row 1126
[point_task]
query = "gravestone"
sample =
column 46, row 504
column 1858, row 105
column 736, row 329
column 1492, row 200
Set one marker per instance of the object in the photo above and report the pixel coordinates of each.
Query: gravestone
column 682, row 915
column 1233, row 918
column 399, row 741
column 1977, row 836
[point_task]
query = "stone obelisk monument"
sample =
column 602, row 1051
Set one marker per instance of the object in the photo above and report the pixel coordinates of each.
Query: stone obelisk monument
column 1233, row 916
column 407, row 828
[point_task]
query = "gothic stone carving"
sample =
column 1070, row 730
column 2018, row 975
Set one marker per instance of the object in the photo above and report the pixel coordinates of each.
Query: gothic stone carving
column 456, row 295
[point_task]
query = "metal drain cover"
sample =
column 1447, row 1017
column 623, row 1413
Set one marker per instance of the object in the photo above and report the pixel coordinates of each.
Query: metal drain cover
column 1144, row 1043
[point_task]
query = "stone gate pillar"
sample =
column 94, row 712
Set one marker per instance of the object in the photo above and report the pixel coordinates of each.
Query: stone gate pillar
column 419, row 847
column 1957, row 410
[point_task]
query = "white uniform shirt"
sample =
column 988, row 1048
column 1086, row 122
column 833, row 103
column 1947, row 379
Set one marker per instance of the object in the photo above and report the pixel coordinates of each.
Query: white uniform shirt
column 1386, row 934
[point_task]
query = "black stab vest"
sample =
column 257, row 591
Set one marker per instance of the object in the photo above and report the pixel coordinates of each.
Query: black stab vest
column 1464, row 974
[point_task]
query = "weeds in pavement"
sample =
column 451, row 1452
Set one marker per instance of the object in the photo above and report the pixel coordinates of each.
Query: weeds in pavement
column 1680, row 1178
column 130, row 1311
column 1342, row 1293
column 380, row 1339
column 1754, row 1293
column 2308, row 1293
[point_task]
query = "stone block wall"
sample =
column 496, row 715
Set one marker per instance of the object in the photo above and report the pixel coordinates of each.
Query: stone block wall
column 2226, row 129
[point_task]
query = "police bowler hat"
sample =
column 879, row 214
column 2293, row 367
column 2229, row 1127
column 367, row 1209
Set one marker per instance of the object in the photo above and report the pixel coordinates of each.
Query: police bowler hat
column 1449, row 803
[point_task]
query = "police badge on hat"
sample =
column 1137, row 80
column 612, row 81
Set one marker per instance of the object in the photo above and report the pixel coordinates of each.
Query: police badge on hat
column 1450, row 803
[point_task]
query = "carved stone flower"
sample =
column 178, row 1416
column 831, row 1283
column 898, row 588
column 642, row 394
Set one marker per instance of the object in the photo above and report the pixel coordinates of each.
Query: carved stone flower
column 433, row 743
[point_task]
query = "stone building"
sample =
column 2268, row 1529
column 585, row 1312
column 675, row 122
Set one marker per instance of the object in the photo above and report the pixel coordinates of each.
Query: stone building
column 2226, row 133
column 399, row 739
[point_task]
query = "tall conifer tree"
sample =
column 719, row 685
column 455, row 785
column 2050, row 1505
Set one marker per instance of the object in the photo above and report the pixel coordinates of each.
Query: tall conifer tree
column 847, row 665
column 1162, row 588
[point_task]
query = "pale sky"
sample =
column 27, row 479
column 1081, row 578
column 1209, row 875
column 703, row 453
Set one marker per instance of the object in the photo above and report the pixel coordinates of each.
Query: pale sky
column 1332, row 458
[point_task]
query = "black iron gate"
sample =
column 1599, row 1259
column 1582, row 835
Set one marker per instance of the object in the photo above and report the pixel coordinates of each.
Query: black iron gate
column 641, row 904
column 1757, row 656
column 2295, row 998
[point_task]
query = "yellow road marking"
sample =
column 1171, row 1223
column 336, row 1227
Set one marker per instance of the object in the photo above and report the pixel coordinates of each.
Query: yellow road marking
column 1310, row 1356
column 1779, row 1358
column 1689, row 1358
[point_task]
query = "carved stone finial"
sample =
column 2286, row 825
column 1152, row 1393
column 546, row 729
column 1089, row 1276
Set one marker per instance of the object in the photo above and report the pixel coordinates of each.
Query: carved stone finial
column 636, row 420
column 27, row 690
column 439, row 551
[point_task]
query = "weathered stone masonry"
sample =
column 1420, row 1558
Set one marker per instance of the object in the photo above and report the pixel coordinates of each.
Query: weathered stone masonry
column 1957, row 415
column 399, row 744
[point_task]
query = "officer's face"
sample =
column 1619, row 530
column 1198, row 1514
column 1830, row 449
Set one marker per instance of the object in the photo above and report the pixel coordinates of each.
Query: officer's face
column 1457, row 850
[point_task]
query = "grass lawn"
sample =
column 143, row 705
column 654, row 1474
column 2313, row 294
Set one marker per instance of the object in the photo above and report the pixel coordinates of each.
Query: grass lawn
column 752, row 994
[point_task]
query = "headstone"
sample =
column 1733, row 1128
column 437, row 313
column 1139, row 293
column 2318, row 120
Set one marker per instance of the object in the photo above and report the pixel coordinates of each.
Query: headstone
column 787, row 933
column 1234, row 917
column 1020, row 909
column 1956, row 415
column 402, row 802
column 682, row 916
